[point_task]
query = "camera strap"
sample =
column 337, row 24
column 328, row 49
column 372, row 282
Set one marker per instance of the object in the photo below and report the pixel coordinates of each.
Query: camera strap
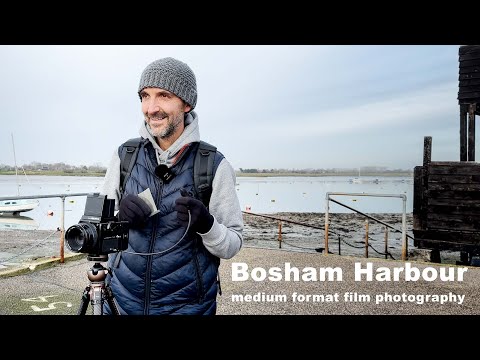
column 128, row 156
column 203, row 171
column 116, row 261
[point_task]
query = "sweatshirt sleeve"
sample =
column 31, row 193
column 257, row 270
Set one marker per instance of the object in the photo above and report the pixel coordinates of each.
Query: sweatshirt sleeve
column 111, row 184
column 225, row 237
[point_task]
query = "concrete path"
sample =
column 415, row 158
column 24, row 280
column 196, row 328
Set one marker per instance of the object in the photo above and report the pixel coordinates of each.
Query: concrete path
column 48, row 287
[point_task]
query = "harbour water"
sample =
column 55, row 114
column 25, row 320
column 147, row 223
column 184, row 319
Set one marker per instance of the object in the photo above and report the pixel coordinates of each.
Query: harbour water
column 256, row 194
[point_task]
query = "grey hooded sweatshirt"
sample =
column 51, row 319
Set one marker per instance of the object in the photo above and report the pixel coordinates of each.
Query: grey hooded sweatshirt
column 225, row 237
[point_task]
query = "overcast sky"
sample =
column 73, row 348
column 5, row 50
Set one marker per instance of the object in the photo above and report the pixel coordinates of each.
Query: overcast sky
column 262, row 106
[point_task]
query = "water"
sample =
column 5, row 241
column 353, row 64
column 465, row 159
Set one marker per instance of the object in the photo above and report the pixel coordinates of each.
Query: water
column 259, row 195
column 47, row 216
column 307, row 194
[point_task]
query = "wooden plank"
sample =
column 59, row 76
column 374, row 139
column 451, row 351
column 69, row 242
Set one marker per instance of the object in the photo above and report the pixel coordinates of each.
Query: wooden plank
column 468, row 49
column 468, row 82
column 447, row 240
column 467, row 57
column 457, row 218
column 461, row 168
column 465, row 210
column 470, row 62
column 459, row 224
column 454, row 187
column 468, row 76
column 453, row 163
column 469, row 97
column 445, row 199
column 453, row 236
column 454, row 179
column 469, row 70
column 442, row 245
column 464, row 89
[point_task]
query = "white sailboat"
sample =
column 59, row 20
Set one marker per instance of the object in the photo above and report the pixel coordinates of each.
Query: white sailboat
column 15, row 207
column 356, row 180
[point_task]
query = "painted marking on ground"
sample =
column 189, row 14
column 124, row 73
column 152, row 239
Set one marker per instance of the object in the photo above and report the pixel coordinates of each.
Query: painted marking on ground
column 43, row 299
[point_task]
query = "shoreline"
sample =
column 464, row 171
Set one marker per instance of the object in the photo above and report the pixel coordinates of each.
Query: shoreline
column 346, row 237
column 347, row 233
column 238, row 174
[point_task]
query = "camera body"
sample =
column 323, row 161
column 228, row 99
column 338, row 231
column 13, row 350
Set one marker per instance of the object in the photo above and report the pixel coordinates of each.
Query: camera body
column 98, row 232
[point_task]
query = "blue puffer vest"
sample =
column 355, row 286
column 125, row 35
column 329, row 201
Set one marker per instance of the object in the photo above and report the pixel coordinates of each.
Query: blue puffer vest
column 183, row 278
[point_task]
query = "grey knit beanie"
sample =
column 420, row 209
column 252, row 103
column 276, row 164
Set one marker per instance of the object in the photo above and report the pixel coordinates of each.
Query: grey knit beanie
column 172, row 75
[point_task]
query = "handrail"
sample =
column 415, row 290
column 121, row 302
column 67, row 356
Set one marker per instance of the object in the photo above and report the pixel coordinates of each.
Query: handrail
column 43, row 196
column 62, row 220
column 281, row 219
column 404, row 215
column 371, row 217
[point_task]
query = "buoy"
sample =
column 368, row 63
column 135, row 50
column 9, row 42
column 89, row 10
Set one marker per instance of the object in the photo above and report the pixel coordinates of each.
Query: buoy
column 50, row 213
column 71, row 201
column 248, row 208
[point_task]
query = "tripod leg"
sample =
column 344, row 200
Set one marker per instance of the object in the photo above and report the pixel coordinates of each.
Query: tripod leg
column 84, row 303
column 111, row 301
column 97, row 299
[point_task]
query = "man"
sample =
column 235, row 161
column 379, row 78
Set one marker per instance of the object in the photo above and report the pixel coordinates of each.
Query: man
column 167, row 269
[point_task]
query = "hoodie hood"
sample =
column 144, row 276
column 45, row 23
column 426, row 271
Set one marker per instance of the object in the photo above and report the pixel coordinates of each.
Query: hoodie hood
column 190, row 134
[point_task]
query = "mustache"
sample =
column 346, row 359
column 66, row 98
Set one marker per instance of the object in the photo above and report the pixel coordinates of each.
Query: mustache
column 158, row 115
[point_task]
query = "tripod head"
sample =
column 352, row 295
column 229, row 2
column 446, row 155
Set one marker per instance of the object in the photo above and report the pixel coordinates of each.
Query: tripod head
column 97, row 258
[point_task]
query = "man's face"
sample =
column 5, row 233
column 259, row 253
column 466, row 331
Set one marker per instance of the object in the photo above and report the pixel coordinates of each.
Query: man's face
column 164, row 112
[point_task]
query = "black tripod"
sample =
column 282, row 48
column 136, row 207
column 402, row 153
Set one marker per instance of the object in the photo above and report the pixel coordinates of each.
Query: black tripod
column 97, row 292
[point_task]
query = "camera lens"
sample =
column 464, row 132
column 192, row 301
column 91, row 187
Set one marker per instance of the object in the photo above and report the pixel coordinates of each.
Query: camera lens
column 81, row 237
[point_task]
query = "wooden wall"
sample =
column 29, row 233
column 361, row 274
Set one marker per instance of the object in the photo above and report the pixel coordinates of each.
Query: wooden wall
column 446, row 205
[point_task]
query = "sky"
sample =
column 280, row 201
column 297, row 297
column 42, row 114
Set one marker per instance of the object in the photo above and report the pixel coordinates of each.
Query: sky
column 263, row 106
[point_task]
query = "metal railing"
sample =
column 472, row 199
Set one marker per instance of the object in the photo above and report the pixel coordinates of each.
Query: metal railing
column 404, row 217
column 62, row 218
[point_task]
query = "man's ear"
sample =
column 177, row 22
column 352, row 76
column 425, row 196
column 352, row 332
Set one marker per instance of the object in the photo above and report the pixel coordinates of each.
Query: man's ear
column 187, row 108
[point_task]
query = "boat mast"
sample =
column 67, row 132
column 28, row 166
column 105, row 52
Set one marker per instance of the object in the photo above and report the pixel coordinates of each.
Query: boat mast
column 16, row 170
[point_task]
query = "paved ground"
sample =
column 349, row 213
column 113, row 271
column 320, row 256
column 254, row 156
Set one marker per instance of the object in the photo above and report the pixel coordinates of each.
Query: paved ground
column 57, row 288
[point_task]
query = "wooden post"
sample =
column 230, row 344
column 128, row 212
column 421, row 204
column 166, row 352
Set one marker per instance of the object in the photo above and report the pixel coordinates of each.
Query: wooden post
column 427, row 150
column 463, row 132
column 418, row 198
column 339, row 247
column 326, row 224
column 427, row 159
column 279, row 234
column 62, row 234
column 366, row 238
column 386, row 242
column 471, row 132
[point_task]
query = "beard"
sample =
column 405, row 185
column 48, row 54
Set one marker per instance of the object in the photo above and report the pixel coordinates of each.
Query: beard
column 169, row 129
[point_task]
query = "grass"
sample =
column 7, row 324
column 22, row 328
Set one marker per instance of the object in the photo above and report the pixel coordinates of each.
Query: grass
column 54, row 173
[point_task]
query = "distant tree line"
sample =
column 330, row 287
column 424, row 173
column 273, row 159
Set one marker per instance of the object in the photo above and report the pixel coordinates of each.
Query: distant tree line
column 60, row 167
column 363, row 170
column 98, row 168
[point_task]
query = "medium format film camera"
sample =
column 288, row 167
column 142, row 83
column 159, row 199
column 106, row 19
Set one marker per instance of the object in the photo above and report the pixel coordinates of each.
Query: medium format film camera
column 98, row 232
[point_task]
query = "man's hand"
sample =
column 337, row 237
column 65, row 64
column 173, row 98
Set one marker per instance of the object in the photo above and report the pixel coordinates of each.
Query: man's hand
column 201, row 219
column 134, row 210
